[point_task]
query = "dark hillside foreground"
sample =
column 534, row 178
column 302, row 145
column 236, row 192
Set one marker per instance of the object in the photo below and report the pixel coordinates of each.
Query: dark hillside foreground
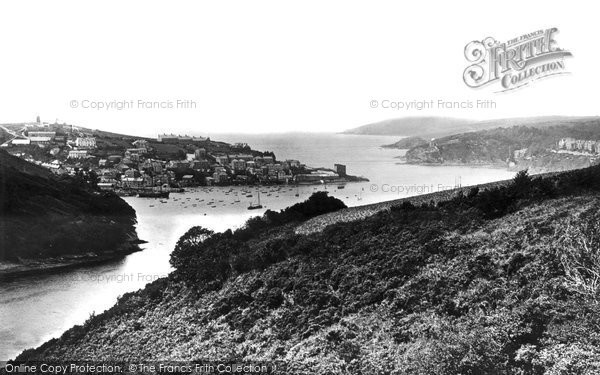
column 496, row 281
column 44, row 217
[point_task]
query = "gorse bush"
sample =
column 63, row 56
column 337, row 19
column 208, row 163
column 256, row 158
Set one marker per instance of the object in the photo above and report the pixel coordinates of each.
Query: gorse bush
column 523, row 190
column 579, row 250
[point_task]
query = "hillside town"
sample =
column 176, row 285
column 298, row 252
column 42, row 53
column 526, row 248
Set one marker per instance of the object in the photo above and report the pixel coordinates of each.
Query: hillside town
column 129, row 165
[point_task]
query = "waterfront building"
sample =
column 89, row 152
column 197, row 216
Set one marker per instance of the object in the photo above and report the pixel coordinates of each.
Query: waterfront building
column 340, row 169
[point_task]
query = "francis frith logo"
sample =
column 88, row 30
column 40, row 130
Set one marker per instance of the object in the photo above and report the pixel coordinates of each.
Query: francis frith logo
column 514, row 63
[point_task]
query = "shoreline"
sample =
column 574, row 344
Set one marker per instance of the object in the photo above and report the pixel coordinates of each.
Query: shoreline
column 533, row 169
column 11, row 271
column 342, row 180
column 455, row 164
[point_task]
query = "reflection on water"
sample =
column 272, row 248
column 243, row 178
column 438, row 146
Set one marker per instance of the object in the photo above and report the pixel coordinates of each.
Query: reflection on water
column 35, row 309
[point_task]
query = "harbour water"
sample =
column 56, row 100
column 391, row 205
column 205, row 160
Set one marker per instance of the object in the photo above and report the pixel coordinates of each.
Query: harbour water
column 36, row 309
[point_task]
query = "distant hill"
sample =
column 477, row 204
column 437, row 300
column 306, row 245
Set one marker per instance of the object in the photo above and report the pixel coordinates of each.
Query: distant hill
column 43, row 216
column 443, row 126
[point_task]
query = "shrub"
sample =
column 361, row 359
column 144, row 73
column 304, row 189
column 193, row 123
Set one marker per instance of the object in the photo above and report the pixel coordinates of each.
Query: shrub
column 580, row 257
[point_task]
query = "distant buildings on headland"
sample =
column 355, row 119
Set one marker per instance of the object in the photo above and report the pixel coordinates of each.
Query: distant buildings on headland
column 580, row 145
column 124, row 163
column 166, row 138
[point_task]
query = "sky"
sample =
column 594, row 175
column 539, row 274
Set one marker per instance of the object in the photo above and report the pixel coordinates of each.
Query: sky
column 274, row 66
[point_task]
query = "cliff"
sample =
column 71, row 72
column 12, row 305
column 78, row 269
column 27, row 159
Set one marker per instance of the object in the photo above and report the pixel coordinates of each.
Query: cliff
column 407, row 143
column 499, row 280
column 48, row 222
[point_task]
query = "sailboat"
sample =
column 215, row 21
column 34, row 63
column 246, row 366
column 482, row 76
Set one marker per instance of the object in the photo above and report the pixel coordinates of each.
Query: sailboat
column 255, row 206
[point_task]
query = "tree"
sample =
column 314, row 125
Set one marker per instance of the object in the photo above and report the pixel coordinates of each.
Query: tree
column 522, row 181
column 188, row 243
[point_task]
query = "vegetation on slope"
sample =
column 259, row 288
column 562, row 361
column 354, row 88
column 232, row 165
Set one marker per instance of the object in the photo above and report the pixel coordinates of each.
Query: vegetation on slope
column 407, row 143
column 42, row 216
column 497, row 146
column 491, row 282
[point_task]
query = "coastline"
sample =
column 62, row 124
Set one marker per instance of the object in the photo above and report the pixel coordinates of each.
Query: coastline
column 459, row 164
column 498, row 165
column 30, row 267
column 533, row 169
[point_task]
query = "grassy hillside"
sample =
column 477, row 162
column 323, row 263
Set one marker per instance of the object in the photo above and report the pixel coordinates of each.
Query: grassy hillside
column 42, row 216
column 498, row 281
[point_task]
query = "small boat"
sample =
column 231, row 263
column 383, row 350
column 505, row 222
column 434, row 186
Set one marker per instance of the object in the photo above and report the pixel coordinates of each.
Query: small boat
column 255, row 206
column 341, row 186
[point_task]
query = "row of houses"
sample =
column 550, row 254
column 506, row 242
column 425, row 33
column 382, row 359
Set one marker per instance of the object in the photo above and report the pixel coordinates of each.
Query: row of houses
column 46, row 138
column 581, row 145
column 172, row 138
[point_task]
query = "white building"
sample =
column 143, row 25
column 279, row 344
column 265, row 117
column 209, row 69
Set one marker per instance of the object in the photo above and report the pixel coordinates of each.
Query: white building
column 86, row 142
column 77, row 154
column 238, row 165
column 33, row 134
column 21, row 141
